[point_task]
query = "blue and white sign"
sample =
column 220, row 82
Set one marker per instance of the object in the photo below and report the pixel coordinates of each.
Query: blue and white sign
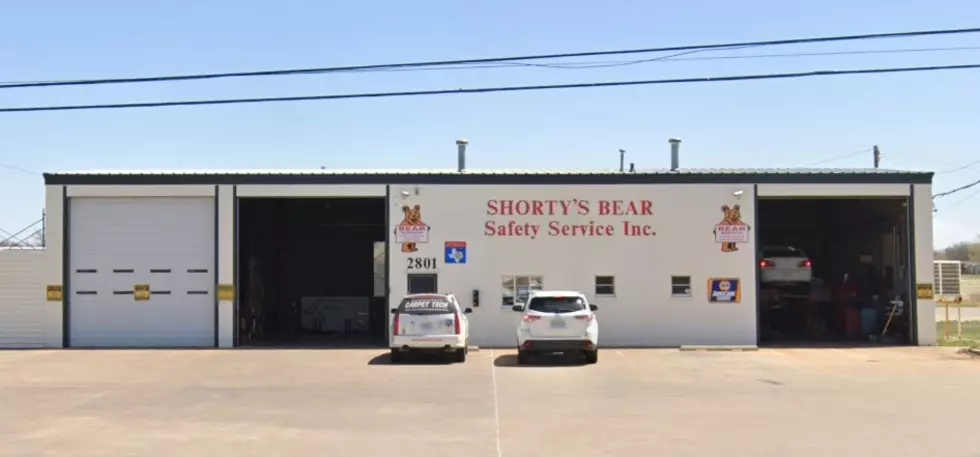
column 456, row 252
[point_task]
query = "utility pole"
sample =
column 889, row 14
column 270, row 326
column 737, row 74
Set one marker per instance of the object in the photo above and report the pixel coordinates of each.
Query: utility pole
column 877, row 157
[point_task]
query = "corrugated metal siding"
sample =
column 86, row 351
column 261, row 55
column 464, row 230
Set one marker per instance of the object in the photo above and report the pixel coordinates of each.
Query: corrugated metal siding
column 22, row 297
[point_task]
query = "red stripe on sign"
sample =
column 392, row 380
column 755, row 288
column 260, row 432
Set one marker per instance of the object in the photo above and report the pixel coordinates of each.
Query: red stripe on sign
column 455, row 244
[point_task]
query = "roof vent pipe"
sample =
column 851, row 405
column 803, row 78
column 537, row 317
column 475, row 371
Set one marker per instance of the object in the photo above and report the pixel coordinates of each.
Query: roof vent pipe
column 622, row 158
column 675, row 153
column 461, row 152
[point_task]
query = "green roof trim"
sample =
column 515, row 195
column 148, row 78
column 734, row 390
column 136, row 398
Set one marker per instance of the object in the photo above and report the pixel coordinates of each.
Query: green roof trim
column 571, row 177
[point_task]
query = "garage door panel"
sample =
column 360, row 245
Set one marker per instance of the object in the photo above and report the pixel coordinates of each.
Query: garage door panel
column 166, row 243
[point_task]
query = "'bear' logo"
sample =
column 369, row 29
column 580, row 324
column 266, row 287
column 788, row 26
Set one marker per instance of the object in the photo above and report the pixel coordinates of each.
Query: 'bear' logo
column 411, row 229
column 731, row 228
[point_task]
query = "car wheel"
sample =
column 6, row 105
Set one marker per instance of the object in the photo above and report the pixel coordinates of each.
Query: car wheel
column 523, row 358
column 397, row 356
column 460, row 355
column 592, row 357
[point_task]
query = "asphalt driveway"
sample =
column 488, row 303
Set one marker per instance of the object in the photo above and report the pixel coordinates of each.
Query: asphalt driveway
column 774, row 402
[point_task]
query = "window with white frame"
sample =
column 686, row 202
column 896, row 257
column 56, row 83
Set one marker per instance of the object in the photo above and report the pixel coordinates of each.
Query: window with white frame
column 680, row 286
column 605, row 285
column 516, row 289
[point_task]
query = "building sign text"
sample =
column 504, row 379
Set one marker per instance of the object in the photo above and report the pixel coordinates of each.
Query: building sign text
column 534, row 218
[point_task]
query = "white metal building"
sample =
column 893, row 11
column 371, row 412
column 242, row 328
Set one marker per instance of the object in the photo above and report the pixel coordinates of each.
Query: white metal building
column 153, row 259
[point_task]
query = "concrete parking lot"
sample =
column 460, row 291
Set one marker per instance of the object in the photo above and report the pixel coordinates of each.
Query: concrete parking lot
column 774, row 402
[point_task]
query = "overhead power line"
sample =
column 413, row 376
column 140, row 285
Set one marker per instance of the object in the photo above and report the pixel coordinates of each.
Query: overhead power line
column 842, row 156
column 588, row 65
column 962, row 167
column 15, row 168
column 510, row 59
column 962, row 200
column 707, row 79
column 958, row 189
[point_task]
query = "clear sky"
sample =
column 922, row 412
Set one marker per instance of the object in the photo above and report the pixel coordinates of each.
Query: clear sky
column 920, row 121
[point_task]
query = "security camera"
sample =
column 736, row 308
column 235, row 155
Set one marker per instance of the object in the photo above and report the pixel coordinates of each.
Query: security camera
column 405, row 193
column 738, row 193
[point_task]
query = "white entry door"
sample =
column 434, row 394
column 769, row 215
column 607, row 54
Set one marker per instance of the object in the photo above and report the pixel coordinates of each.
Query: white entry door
column 164, row 242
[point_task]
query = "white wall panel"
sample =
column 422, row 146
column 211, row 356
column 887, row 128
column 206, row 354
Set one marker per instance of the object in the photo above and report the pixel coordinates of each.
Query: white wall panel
column 922, row 218
column 226, row 263
column 203, row 190
column 311, row 190
column 642, row 312
column 833, row 190
column 54, row 254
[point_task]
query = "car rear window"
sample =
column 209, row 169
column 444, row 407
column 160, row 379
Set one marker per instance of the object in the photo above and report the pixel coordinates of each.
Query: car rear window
column 556, row 304
column 425, row 305
column 787, row 251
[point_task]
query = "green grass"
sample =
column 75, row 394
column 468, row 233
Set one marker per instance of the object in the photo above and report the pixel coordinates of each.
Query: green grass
column 970, row 336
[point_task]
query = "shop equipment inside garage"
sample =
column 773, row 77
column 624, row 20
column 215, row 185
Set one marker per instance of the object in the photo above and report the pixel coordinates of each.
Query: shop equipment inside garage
column 312, row 271
column 857, row 250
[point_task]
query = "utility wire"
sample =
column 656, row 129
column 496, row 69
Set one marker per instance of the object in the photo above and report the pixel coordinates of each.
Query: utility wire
column 618, row 63
column 842, row 156
column 677, row 58
column 958, row 189
column 23, row 170
column 707, row 79
column 511, row 59
column 963, row 167
column 960, row 201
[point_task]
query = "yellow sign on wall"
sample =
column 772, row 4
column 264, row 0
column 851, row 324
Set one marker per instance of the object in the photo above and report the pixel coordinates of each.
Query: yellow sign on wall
column 924, row 291
column 55, row 292
column 141, row 292
column 226, row 292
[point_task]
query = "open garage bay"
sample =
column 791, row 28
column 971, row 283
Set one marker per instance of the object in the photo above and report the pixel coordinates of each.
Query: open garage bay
column 898, row 401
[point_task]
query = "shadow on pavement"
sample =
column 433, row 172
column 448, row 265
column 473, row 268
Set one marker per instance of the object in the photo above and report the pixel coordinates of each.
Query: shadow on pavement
column 510, row 361
column 415, row 359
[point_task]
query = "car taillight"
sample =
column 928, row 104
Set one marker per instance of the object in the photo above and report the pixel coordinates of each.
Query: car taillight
column 394, row 326
column 805, row 264
column 765, row 263
column 530, row 318
column 456, row 322
column 587, row 317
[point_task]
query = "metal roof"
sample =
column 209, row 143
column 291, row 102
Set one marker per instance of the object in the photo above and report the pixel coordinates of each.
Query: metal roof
column 499, row 176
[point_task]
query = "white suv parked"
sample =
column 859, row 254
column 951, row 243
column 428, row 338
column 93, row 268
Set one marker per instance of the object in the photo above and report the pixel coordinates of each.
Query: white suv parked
column 432, row 323
column 557, row 322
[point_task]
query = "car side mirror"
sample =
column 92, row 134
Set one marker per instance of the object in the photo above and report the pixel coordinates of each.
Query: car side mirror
column 593, row 307
column 468, row 310
column 518, row 308
column 394, row 310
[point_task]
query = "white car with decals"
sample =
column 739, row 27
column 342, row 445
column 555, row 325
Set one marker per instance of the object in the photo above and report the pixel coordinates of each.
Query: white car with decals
column 429, row 323
column 557, row 322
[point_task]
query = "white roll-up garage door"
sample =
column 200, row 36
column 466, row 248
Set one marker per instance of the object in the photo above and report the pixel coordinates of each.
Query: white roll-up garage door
column 164, row 242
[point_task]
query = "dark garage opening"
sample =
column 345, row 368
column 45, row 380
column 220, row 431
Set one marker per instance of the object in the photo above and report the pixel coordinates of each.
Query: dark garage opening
column 312, row 271
column 857, row 289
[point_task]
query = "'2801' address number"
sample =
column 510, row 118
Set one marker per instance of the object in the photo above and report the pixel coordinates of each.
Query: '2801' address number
column 421, row 263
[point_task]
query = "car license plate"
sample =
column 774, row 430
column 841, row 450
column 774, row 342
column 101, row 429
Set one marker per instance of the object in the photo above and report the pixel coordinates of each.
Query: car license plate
column 557, row 323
